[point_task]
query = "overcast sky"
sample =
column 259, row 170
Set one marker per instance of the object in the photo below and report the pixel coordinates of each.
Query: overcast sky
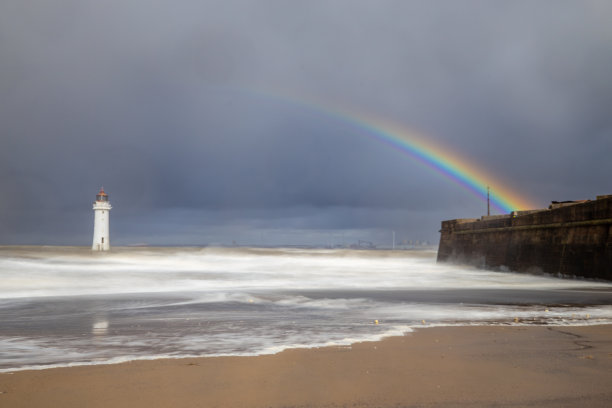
column 189, row 114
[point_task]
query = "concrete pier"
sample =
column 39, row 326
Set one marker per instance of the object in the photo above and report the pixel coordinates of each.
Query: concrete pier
column 568, row 238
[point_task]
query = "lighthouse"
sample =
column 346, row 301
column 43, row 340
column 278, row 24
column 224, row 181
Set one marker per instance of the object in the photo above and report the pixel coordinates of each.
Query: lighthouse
column 101, row 207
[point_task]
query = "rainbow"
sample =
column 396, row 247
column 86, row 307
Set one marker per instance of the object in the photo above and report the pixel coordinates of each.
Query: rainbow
column 438, row 158
column 441, row 159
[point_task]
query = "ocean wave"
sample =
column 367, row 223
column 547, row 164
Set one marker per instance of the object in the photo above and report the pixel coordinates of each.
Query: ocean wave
column 65, row 307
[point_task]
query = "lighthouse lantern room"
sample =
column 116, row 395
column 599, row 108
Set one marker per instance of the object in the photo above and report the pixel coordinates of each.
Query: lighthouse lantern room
column 101, row 207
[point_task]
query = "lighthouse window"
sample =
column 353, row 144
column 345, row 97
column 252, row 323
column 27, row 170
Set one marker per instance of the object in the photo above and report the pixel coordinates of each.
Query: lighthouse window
column 102, row 239
column 102, row 212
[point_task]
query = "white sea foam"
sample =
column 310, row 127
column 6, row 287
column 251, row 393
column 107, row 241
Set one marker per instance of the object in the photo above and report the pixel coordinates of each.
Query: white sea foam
column 72, row 307
column 210, row 270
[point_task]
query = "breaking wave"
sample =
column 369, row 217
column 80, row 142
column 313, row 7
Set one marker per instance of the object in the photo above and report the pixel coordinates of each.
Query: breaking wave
column 68, row 306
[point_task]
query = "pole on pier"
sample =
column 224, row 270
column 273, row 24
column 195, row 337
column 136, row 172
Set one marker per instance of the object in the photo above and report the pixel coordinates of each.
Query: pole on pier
column 488, row 202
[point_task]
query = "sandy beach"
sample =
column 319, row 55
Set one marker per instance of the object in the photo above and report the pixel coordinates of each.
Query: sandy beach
column 457, row 366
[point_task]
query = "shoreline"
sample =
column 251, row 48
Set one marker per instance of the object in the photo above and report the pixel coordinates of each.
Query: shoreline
column 512, row 365
column 281, row 349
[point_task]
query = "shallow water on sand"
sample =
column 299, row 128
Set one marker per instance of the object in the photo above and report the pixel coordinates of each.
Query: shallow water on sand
column 67, row 306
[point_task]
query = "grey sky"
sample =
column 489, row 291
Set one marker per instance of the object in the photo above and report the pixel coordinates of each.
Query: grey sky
column 183, row 111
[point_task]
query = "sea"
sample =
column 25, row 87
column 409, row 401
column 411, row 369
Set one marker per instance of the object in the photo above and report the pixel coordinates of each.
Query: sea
column 67, row 306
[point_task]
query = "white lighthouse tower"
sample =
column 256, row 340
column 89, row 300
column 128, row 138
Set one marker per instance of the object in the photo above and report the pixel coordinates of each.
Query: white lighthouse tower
column 101, row 207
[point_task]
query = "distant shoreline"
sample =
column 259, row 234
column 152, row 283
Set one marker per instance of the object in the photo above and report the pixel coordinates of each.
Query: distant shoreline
column 130, row 246
column 33, row 250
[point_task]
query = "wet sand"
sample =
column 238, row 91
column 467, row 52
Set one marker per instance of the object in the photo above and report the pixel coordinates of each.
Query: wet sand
column 450, row 367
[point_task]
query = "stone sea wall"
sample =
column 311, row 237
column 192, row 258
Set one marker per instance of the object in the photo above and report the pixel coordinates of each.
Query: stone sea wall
column 574, row 239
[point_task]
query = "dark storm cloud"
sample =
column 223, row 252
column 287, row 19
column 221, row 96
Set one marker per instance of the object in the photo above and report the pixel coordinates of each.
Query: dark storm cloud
column 167, row 106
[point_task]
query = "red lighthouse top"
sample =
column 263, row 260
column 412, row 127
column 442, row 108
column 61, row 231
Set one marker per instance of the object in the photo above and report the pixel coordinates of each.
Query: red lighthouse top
column 101, row 196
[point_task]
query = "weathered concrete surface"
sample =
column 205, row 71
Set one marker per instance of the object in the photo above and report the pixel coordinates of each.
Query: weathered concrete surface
column 570, row 240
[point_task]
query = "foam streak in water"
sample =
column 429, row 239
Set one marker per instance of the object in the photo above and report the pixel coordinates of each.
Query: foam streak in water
column 69, row 306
